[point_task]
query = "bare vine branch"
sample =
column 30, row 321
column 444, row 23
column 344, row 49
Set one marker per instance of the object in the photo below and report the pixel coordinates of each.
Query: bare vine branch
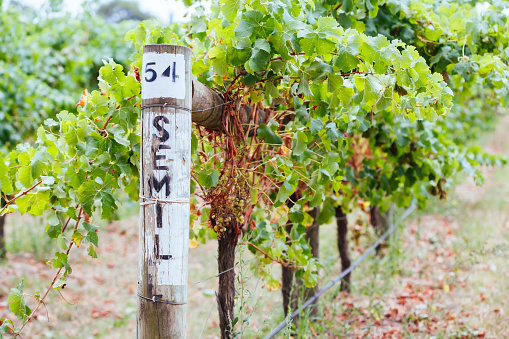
column 41, row 301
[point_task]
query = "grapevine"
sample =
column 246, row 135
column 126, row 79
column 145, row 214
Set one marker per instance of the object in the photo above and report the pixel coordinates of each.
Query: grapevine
column 322, row 111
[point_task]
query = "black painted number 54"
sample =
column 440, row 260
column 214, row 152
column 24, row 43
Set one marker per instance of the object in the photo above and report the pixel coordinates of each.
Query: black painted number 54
column 166, row 73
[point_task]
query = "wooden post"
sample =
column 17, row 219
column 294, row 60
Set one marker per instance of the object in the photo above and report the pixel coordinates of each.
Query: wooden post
column 164, row 192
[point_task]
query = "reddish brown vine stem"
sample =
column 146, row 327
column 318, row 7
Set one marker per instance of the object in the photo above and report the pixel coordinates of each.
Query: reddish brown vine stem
column 41, row 301
column 21, row 194
column 65, row 226
column 233, row 81
column 281, row 58
column 106, row 123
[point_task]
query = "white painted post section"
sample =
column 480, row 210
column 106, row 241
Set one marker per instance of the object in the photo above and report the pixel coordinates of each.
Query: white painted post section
column 164, row 191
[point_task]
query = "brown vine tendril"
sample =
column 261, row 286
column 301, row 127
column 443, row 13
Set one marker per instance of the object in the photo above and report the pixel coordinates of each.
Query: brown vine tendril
column 41, row 301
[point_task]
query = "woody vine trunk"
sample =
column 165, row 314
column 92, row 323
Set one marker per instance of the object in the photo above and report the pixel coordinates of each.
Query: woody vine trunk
column 207, row 111
column 287, row 278
column 227, row 242
column 292, row 293
column 379, row 223
column 342, row 225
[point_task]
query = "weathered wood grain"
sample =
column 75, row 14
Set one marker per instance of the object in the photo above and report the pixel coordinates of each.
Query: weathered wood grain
column 165, row 184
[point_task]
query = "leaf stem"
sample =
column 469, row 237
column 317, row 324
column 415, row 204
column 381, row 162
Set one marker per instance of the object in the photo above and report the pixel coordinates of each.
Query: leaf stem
column 41, row 301
column 106, row 123
column 268, row 256
column 19, row 196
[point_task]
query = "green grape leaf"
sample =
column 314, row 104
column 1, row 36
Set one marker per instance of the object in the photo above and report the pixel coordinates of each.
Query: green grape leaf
column 208, row 178
column 301, row 144
column 92, row 238
column 347, row 5
column 346, row 60
column 316, row 126
column 230, row 8
column 61, row 242
column 304, row 85
column 91, row 251
column 60, row 283
column 16, row 301
column 374, row 49
column 260, row 55
column 24, row 176
column 89, row 227
column 244, row 29
column 269, row 136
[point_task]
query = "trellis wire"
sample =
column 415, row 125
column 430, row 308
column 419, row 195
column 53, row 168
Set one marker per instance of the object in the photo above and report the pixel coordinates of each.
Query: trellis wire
column 217, row 275
column 153, row 299
column 206, row 109
column 285, row 323
column 184, row 108
column 206, row 321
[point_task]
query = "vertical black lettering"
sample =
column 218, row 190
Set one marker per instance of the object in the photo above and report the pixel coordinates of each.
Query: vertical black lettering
column 156, row 246
column 159, row 216
column 164, row 134
column 158, row 185
column 156, row 250
column 173, row 75
column 159, row 157
column 151, row 288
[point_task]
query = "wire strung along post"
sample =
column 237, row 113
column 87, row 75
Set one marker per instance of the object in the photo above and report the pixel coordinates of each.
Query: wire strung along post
column 164, row 192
